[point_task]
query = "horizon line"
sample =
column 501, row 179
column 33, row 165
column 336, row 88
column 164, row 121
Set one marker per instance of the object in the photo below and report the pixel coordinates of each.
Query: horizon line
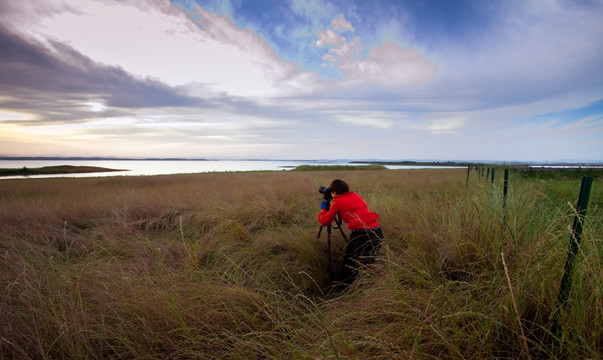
column 373, row 160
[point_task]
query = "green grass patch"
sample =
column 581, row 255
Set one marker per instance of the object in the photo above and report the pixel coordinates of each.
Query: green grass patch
column 560, row 174
column 338, row 167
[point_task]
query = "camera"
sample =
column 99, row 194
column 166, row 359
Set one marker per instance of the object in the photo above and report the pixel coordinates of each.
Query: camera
column 326, row 191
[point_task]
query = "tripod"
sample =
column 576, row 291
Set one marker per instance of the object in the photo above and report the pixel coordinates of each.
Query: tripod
column 329, row 227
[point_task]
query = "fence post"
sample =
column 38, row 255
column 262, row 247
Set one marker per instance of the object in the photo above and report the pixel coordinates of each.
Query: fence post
column 504, row 208
column 492, row 181
column 468, row 170
column 575, row 237
column 506, row 188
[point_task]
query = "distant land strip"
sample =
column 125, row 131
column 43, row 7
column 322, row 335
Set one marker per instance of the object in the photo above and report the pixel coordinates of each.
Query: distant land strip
column 416, row 163
column 513, row 164
column 44, row 158
column 338, row 167
column 52, row 170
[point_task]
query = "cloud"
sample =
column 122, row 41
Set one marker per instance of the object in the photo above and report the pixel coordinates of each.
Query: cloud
column 389, row 65
column 530, row 51
column 99, row 74
column 199, row 47
column 329, row 37
column 374, row 119
column 254, row 67
column 315, row 11
column 53, row 80
column 339, row 48
column 163, row 42
column 341, row 24
column 45, row 78
column 447, row 125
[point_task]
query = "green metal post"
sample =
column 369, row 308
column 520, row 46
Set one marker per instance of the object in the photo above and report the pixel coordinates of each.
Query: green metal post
column 492, row 181
column 505, row 191
column 576, row 235
column 506, row 187
column 468, row 170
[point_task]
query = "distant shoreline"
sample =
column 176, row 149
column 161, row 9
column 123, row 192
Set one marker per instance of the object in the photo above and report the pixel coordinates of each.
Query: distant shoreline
column 56, row 158
column 480, row 163
column 458, row 163
column 52, row 170
column 95, row 166
column 415, row 163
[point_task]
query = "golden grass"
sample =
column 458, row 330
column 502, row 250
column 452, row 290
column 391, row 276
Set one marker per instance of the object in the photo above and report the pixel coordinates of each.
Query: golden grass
column 228, row 266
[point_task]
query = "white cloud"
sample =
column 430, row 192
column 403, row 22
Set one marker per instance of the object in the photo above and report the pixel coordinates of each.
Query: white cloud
column 329, row 58
column 164, row 44
column 12, row 115
column 329, row 37
column 348, row 49
column 94, row 106
column 389, row 65
column 341, row 24
column 375, row 119
column 448, row 125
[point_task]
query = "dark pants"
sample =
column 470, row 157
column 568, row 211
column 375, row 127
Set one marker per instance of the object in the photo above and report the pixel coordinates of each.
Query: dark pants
column 360, row 251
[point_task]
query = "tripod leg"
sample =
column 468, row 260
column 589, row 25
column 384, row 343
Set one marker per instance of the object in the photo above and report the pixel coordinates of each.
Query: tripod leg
column 329, row 262
column 338, row 221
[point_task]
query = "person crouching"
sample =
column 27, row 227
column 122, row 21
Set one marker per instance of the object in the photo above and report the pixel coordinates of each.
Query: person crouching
column 366, row 233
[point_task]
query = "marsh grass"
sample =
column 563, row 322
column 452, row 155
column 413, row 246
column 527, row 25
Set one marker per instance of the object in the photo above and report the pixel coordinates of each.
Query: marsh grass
column 228, row 266
column 338, row 167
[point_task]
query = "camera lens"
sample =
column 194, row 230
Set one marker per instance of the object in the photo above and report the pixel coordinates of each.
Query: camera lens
column 326, row 191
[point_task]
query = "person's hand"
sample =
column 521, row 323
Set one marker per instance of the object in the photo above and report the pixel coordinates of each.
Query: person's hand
column 324, row 205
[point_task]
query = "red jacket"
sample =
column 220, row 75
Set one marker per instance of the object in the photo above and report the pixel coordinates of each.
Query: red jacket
column 353, row 211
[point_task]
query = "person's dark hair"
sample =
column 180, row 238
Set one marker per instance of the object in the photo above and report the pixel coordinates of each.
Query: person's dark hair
column 339, row 187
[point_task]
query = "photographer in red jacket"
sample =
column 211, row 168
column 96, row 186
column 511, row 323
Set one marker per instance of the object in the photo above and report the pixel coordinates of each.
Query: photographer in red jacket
column 366, row 234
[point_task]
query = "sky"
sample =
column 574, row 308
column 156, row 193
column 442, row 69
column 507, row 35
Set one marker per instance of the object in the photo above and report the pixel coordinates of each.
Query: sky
column 508, row 80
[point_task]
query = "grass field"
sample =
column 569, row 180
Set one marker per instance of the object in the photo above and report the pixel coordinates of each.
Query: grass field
column 228, row 266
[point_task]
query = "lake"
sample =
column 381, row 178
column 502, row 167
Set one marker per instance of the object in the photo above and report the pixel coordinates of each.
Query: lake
column 168, row 167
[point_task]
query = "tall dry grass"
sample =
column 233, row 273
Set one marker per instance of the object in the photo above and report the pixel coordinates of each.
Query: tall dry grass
column 228, row 266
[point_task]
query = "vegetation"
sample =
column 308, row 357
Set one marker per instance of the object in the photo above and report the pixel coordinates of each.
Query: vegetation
column 61, row 169
column 338, row 167
column 415, row 163
column 228, row 266
column 552, row 173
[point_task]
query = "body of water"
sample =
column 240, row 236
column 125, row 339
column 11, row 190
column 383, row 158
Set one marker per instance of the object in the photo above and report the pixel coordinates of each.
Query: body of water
column 168, row 167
